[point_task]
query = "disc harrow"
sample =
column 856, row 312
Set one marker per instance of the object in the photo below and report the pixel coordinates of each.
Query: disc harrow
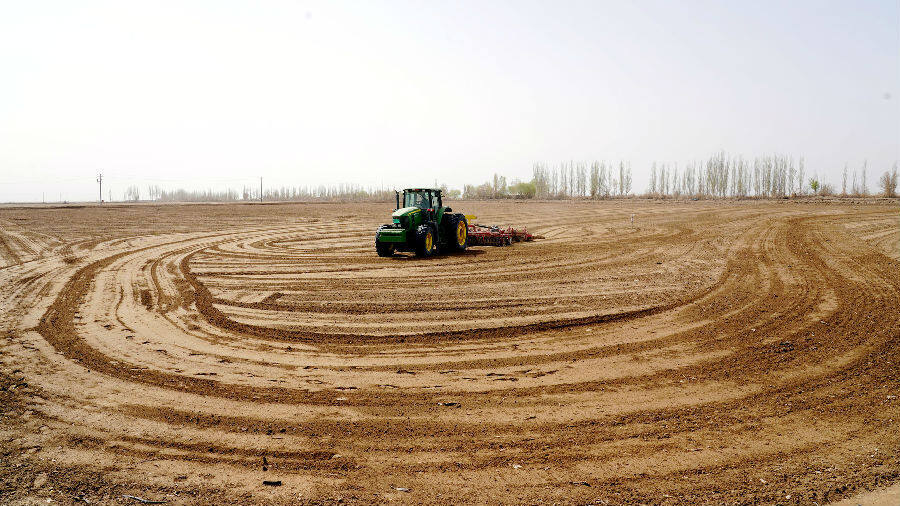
column 494, row 235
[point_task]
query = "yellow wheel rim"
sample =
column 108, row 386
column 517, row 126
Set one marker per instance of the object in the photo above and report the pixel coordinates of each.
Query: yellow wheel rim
column 428, row 242
column 461, row 233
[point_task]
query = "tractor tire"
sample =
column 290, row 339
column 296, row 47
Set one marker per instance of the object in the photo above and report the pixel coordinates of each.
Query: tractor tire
column 426, row 243
column 384, row 249
column 457, row 232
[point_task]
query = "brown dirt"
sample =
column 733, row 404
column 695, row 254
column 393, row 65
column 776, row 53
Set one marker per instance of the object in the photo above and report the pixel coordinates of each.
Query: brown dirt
column 712, row 353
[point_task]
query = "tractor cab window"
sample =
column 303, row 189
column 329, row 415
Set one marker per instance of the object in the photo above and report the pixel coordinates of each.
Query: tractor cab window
column 422, row 200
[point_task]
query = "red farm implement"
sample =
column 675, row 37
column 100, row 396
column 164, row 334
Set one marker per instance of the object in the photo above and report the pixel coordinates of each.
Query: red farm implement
column 493, row 235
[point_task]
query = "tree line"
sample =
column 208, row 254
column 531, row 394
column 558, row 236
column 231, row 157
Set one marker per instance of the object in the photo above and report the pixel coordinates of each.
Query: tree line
column 772, row 176
column 719, row 176
column 562, row 181
column 324, row 193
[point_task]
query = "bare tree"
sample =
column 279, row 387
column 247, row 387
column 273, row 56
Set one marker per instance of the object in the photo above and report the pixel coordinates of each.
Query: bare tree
column 554, row 182
column 864, row 188
column 605, row 184
column 133, row 193
column 563, row 181
column 844, row 181
column 582, row 179
column 541, row 180
column 621, row 178
column 627, row 177
column 595, row 179
column 888, row 182
column 701, row 183
column 690, row 180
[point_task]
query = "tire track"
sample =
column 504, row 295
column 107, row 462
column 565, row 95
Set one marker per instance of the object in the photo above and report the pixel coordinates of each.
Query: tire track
column 713, row 353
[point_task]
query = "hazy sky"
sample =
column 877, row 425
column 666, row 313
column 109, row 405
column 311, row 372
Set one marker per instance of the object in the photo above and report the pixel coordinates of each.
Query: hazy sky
column 215, row 94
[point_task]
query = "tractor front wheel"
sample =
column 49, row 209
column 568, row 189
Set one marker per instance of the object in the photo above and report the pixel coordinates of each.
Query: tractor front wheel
column 384, row 249
column 425, row 241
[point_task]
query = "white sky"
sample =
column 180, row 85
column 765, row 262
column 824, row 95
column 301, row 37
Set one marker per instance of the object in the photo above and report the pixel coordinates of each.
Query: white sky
column 214, row 94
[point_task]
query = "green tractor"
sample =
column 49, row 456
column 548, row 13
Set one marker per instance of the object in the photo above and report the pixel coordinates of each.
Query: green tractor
column 422, row 225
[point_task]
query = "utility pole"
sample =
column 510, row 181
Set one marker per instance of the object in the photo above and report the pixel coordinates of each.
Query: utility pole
column 100, row 180
column 260, row 189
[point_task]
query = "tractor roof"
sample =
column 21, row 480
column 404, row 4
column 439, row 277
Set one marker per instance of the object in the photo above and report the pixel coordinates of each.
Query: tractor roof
column 421, row 189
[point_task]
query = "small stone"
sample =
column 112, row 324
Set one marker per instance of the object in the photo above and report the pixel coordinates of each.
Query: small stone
column 40, row 480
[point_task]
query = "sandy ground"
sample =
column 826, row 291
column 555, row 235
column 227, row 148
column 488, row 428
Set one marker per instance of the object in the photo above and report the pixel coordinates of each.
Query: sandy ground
column 883, row 497
column 707, row 353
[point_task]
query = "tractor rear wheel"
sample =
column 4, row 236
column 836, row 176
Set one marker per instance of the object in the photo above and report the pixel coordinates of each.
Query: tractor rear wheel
column 426, row 245
column 458, row 232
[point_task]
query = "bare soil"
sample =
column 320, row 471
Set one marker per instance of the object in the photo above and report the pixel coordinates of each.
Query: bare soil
column 703, row 353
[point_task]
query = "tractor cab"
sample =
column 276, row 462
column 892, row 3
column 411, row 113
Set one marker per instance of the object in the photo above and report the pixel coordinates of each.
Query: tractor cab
column 422, row 224
column 421, row 198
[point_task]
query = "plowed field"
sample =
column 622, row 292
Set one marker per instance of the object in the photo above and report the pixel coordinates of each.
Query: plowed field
column 702, row 353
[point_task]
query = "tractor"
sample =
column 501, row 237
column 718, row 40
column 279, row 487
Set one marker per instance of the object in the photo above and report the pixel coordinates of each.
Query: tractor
column 422, row 225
